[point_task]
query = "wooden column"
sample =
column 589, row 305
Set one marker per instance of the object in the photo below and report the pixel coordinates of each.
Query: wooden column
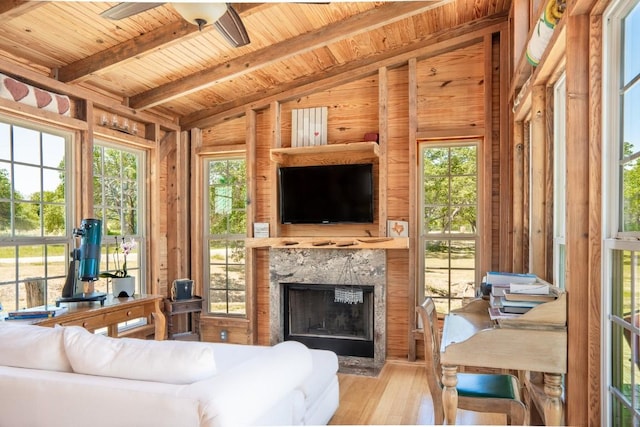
column 518, row 197
column 414, row 217
column 175, row 151
column 537, row 255
column 488, row 259
column 595, row 222
column 577, row 218
column 251, row 283
column 506, row 155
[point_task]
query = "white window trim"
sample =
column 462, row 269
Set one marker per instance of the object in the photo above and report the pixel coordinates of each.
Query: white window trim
column 559, row 178
column 612, row 240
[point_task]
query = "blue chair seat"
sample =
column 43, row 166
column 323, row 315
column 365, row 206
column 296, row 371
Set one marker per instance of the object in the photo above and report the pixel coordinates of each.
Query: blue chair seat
column 486, row 385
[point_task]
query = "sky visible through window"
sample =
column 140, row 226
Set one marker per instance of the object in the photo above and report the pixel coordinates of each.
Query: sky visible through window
column 26, row 146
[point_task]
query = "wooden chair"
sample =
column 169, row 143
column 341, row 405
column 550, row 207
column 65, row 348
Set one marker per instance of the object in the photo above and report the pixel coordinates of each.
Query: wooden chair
column 478, row 392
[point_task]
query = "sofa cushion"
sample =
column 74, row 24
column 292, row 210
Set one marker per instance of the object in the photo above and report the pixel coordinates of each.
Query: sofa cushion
column 325, row 368
column 34, row 347
column 174, row 362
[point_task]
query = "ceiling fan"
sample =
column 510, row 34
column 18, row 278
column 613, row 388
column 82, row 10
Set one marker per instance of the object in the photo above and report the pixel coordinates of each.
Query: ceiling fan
column 222, row 15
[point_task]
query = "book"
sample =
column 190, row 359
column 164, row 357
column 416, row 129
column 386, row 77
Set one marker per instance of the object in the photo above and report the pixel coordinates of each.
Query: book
column 36, row 312
column 499, row 278
column 499, row 290
column 515, row 310
column 536, row 288
column 529, row 297
column 496, row 314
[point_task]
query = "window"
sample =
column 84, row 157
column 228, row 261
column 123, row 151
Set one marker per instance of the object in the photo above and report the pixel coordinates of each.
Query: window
column 118, row 191
column 621, row 189
column 35, row 205
column 559, row 179
column 226, row 224
column 449, row 235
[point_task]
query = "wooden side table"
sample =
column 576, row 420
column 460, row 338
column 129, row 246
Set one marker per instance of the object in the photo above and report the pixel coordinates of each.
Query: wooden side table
column 191, row 308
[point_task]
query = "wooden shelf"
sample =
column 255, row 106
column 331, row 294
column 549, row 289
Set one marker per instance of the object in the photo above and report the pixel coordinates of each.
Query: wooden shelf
column 356, row 152
column 328, row 242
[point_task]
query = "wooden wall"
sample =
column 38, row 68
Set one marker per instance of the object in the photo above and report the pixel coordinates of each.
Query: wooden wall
column 451, row 104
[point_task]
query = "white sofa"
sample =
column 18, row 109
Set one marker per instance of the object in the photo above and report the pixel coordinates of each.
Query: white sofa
column 66, row 376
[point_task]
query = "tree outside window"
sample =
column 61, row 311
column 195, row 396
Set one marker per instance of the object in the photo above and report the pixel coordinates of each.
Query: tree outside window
column 227, row 225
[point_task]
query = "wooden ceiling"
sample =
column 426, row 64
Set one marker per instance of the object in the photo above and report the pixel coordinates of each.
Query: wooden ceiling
column 157, row 61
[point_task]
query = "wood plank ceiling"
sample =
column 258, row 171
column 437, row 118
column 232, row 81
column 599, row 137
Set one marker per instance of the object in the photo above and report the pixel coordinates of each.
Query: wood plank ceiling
column 157, row 61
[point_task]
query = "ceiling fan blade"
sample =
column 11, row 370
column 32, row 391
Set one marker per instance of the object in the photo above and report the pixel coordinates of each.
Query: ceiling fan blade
column 231, row 27
column 126, row 9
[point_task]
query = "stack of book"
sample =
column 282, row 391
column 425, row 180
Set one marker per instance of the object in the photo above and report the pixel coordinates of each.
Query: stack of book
column 515, row 299
column 35, row 313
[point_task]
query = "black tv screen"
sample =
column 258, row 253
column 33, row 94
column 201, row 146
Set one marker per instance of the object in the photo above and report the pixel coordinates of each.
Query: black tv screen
column 326, row 194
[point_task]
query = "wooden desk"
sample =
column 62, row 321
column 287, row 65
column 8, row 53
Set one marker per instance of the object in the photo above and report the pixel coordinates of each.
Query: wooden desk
column 536, row 341
column 92, row 315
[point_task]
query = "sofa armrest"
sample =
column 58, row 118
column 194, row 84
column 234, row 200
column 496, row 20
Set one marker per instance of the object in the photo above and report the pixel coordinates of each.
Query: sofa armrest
column 239, row 396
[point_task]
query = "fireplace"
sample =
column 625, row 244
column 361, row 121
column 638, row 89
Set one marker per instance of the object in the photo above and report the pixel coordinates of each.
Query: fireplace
column 330, row 317
column 340, row 269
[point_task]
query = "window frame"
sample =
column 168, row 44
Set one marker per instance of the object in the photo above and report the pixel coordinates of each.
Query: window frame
column 422, row 238
column 208, row 237
column 615, row 242
column 109, row 242
column 66, row 240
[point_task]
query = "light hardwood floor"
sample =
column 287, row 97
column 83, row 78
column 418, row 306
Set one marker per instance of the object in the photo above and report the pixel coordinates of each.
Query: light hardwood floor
column 398, row 396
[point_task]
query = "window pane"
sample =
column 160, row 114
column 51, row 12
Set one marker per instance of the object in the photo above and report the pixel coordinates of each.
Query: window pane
column 5, row 141
column 631, row 42
column 53, row 147
column 631, row 196
column 631, row 124
column 31, row 261
column 436, row 190
column 27, row 182
column 26, row 145
column 26, row 217
column 7, row 266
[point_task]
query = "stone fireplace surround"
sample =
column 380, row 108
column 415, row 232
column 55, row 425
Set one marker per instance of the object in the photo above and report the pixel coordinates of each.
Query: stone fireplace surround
column 344, row 267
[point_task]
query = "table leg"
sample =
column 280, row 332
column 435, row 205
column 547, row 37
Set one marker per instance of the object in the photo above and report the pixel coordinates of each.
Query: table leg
column 450, row 393
column 553, row 405
column 160, row 321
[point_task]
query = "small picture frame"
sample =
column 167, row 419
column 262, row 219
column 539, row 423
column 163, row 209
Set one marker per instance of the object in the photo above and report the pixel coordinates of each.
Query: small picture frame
column 397, row 228
column 260, row 229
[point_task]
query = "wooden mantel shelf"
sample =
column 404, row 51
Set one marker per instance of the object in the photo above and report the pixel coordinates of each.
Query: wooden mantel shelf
column 356, row 152
column 328, row 242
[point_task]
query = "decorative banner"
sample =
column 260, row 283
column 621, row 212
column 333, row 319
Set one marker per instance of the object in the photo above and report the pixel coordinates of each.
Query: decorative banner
column 309, row 126
column 15, row 90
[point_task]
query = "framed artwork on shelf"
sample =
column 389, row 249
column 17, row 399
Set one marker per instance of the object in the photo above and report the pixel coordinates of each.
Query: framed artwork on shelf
column 309, row 126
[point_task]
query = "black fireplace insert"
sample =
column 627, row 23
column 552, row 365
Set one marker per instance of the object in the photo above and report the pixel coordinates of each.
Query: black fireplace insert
column 330, row 317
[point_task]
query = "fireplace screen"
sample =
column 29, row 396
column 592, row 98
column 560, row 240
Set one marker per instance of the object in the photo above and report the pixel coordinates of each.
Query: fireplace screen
column 333, row 317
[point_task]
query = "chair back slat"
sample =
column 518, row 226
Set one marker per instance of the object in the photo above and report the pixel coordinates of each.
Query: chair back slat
column 429, row 316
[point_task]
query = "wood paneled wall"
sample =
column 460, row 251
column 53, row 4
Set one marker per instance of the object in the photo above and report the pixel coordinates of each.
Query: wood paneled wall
column 452, row 103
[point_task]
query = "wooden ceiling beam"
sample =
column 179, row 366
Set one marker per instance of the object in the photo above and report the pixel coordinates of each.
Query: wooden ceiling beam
column 10, row 9
column 134, row 48
column 357, row 24
column 430, row 45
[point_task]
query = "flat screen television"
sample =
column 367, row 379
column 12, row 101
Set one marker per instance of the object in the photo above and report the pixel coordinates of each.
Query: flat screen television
column 326, row 194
